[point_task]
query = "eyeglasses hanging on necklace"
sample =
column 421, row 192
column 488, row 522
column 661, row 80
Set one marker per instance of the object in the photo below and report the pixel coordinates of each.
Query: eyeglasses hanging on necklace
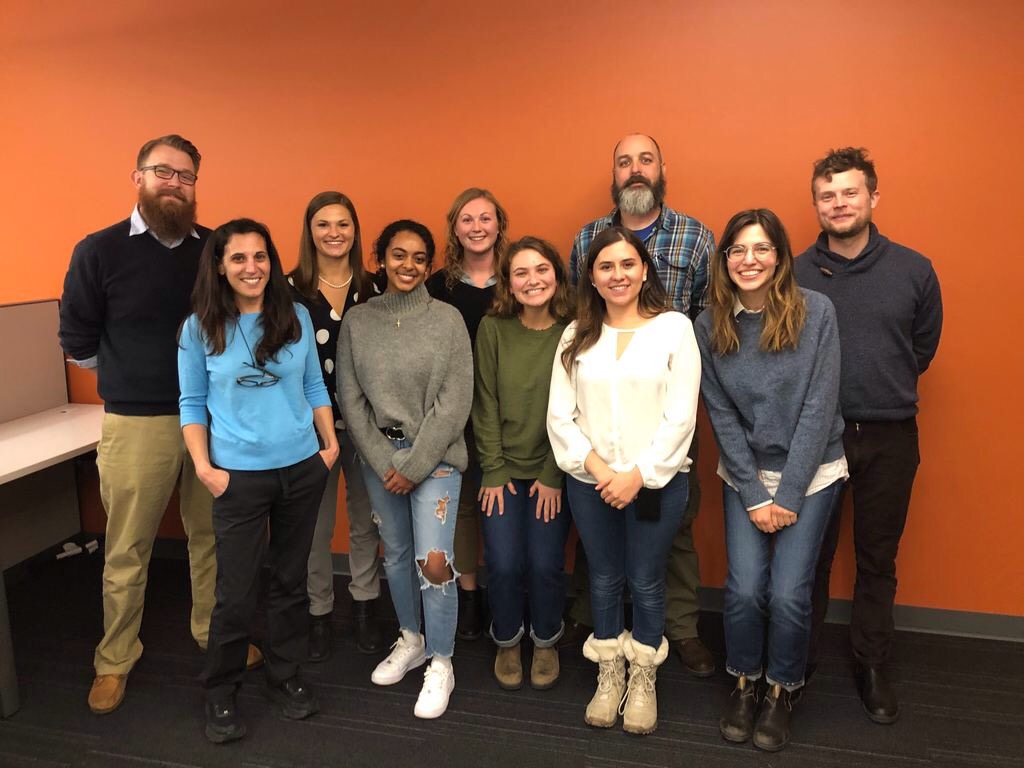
column 263, row 377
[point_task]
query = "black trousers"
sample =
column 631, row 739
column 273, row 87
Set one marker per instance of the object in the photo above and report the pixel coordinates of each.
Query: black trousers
column 883, row 458
column 288, row 499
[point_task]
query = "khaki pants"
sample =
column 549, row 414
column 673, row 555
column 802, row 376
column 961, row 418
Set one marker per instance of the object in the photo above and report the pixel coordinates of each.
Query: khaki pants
column 140, row 458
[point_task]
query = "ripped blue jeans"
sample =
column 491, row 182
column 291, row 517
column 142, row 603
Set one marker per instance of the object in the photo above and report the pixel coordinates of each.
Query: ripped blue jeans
column 411, row 526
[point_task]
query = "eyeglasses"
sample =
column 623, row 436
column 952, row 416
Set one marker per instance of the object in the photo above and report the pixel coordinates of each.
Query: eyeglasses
column 262, row 377
column 166, row 173
column 761, row 251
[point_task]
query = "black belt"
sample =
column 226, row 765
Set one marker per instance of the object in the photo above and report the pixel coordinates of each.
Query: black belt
column 393, row 433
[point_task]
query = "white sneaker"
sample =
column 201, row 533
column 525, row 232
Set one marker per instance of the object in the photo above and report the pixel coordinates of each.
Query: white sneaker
column 407, row 653
column 438, row 684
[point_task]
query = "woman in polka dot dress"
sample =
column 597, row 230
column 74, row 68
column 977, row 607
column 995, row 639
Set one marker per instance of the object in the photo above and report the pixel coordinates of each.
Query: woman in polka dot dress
column 328, row 281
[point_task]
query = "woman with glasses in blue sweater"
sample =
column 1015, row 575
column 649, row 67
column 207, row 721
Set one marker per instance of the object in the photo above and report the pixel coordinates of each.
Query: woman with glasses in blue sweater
column 251, row 394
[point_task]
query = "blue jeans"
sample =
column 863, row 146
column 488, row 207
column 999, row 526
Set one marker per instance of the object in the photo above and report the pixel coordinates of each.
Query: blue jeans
column 411, row 526
column 621, row 549
column 770, row 579
column 525, row 555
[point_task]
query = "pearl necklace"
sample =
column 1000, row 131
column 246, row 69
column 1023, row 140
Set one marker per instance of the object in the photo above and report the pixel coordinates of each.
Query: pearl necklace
column 332, row 285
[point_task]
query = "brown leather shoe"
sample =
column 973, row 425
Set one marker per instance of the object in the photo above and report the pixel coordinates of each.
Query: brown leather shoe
column 696, row 657
column 253, row 657
column 508, row 668
column 107, row 693
column 544, row 668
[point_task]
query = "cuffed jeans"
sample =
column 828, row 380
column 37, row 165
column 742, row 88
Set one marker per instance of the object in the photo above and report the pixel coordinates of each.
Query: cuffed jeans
column 883, row 458
column 140, row 459
column 411, row 526
column 363, row 539
column 287, row 499
column 525, row 560
column 769, row 582
column 622, row 549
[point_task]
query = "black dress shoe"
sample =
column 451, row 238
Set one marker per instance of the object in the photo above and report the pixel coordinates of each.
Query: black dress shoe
column 877, row 696
column 222, row 721
column 772, row 730
column 368, row 636
column 468, row 626
column 320, row 635
column 738, row 721
column 296, row 698
column 696, row 657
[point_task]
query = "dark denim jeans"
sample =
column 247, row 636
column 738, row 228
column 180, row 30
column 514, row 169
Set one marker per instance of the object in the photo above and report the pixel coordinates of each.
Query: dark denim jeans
column 770, row 579
column 525, row 561
column 621, row 549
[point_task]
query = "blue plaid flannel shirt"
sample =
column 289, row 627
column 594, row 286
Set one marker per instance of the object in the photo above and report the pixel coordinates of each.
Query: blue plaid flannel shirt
column 680, row 246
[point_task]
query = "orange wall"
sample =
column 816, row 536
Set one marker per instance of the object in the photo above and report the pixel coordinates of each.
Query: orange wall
column 402, row 104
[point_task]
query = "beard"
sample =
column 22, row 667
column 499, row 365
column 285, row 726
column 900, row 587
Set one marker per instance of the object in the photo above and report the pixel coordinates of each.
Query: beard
column 639, row 201
column 167, row 213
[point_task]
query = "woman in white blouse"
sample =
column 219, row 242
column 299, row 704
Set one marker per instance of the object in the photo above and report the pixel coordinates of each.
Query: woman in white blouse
column 621, row 415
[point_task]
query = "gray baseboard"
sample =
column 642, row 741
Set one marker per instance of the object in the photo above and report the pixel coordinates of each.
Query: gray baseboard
column 912, row 618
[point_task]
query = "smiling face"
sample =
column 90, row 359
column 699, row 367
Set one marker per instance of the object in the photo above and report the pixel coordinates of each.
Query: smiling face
column 405, row 262
column 618, row 274
column 532, row 279
column 844, row 204
column 166, row 205
column 476, row 226
column 752, row 270
column 246, row 266
column 333, row 231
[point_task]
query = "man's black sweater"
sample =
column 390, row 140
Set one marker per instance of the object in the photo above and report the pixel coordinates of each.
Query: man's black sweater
column 889, row 309
column 124, row 300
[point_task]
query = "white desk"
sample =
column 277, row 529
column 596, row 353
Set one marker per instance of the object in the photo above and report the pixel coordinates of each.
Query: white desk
column 38, row 500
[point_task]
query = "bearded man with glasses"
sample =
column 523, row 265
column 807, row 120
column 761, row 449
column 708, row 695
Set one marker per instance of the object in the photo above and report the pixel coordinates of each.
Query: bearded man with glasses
column 125, row 295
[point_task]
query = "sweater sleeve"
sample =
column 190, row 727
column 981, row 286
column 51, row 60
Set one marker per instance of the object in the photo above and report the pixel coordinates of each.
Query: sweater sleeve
column 360, row 423
column 486, row 416
column 733, row 448
column 927, row 322
column 193, row 379
column 568, row 443
column 83, row 304
column 312, row 378
column 807, row 447
column 658, row 463
column 445, row 419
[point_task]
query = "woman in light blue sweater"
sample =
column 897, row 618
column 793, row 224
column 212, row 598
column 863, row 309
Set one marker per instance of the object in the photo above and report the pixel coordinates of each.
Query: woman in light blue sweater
column 251, row 392
column 770, row 382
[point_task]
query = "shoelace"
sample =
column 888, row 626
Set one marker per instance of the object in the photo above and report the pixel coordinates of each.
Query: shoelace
column 641, row 684
column 434, row 677
column 606, row 676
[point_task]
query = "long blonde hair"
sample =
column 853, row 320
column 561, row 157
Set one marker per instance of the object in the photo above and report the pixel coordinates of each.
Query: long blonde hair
column 784, row 308
column 454, row 253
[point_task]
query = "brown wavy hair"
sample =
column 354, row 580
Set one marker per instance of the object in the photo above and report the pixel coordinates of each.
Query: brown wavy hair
column 454, row 253
column 213, row 299
column 590, row 307
column 306, row 275
column 784, row 308
column 506, row 305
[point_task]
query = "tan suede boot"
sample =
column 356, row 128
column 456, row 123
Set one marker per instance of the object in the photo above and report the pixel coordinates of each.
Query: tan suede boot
column 603, row 709
column 508, row 668
column 544, row 669
column 639, row 708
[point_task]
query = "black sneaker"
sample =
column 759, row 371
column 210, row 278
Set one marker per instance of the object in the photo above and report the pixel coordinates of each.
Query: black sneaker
column 296, row 698
column 223, row 723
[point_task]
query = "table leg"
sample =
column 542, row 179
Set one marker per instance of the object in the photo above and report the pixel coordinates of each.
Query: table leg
column 9, row 702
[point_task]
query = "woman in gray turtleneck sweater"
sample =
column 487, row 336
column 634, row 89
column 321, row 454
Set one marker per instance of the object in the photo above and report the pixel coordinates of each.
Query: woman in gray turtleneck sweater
column 405, row 385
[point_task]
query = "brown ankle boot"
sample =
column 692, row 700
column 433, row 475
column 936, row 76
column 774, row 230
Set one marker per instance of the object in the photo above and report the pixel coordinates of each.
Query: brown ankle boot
column 544, row 669
column 508, row 668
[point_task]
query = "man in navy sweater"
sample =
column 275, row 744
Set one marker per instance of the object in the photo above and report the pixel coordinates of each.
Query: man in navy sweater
column 889, row 309
column 126, row 292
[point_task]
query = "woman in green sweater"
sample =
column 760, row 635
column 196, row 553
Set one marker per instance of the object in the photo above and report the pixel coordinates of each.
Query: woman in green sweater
column 524, row 521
